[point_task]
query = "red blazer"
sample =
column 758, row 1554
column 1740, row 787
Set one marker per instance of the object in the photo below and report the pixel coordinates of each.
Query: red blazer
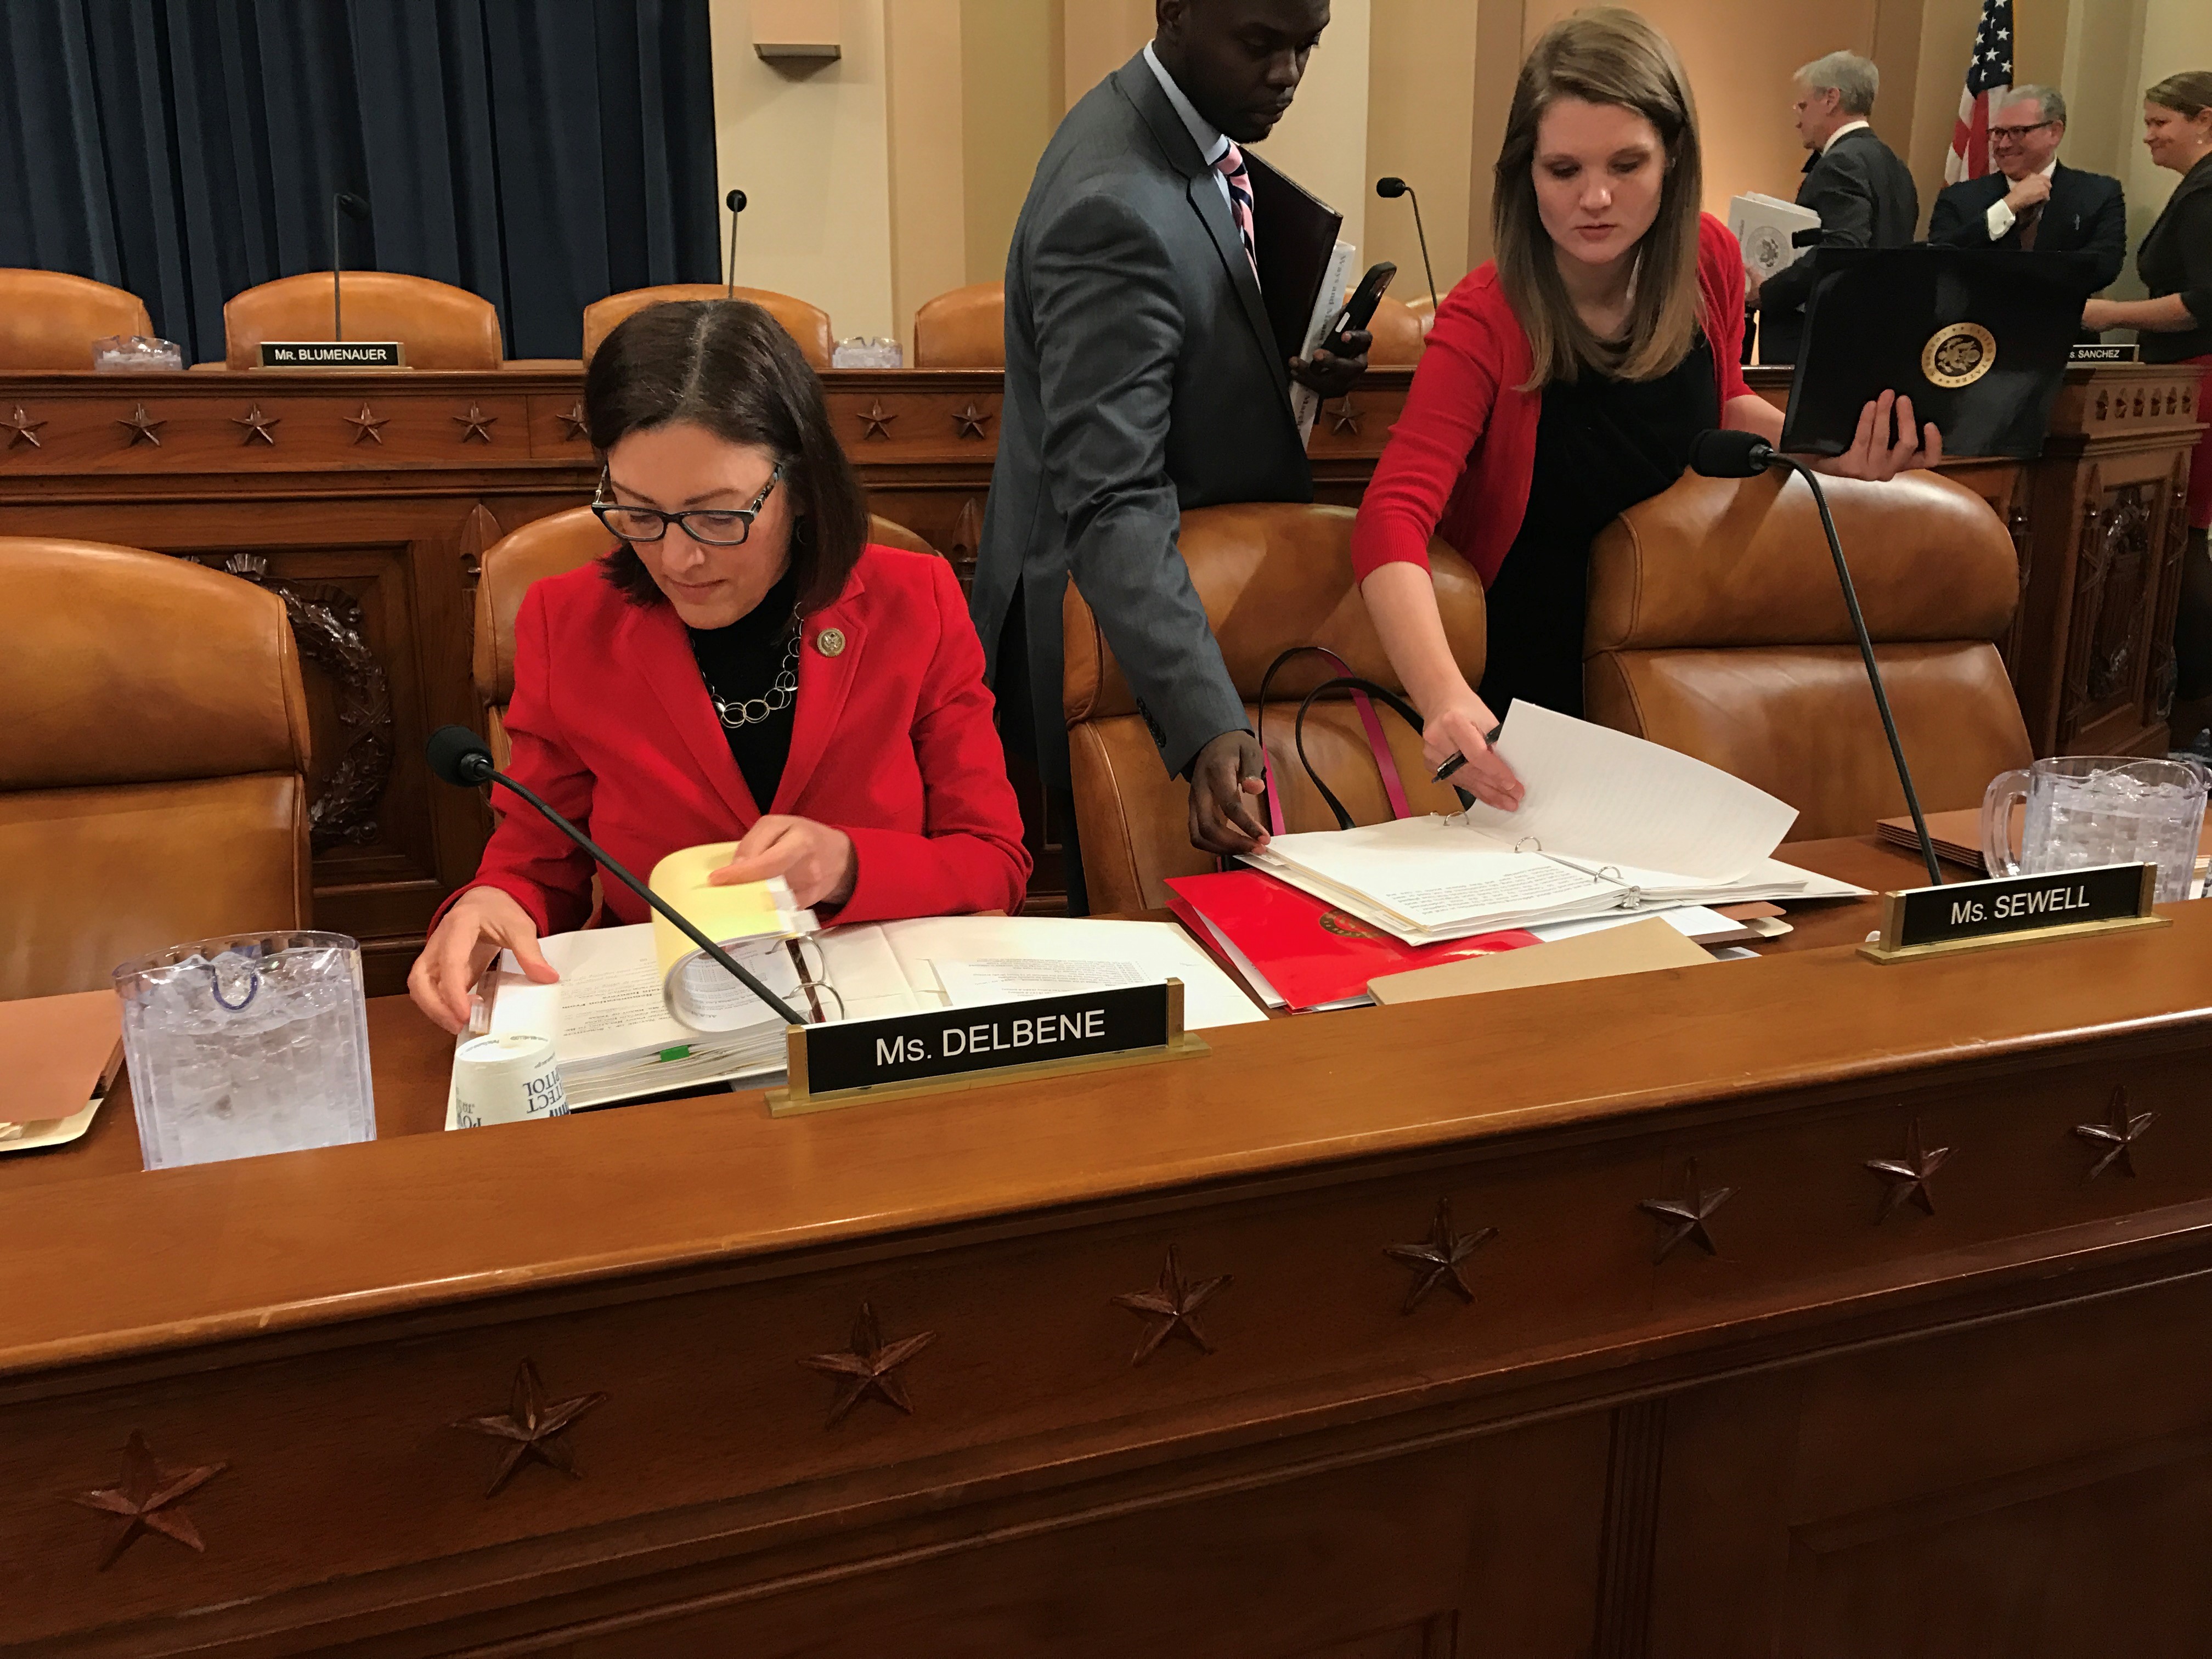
column 892, row 742
column 1459, row 461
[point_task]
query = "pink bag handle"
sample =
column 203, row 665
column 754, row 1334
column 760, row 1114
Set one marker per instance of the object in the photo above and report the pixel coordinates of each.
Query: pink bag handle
column 1394, row 787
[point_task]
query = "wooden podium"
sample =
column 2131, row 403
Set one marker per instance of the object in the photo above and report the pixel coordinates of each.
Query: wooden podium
column 1796, row 1306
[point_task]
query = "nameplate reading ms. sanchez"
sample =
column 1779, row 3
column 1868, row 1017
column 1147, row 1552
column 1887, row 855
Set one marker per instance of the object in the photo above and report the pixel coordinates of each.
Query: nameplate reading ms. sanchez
column 1084, row 1028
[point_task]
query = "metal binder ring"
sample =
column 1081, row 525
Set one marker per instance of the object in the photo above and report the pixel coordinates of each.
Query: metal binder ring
column 214, row 988
column 1527, row 844
column 814, row 990
column 1608, row 872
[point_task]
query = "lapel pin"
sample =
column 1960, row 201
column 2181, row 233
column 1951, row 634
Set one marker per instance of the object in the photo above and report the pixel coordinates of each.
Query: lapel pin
column 831, row 641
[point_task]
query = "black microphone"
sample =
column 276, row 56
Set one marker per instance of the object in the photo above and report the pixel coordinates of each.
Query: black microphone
column 1390, row 190
column 459, row 756
column 354, row 208
column 1727, row 454
column 735, row 201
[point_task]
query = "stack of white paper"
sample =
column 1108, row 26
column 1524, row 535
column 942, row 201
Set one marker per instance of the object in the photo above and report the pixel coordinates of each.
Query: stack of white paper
column 1765, row 228
column 1609, row 823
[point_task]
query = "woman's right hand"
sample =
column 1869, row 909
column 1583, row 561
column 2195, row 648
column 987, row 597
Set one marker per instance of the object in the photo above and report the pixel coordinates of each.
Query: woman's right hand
column 482, row 921
column 1460, row 727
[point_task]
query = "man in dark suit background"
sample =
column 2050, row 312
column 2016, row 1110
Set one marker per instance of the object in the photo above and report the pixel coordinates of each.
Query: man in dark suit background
column 1863, row 194
column 2033, row 201
column 1143, row 378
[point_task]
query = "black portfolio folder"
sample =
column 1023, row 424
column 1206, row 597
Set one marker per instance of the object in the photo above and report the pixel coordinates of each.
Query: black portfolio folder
column 1977, row 338
column 1293, row 234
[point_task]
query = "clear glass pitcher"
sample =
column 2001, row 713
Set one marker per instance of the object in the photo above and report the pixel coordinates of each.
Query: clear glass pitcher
column 254, row 1043
column 2088, row 810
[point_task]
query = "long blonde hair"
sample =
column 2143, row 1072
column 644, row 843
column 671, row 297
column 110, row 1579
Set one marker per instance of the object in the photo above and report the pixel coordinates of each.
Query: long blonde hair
column 1607, row 55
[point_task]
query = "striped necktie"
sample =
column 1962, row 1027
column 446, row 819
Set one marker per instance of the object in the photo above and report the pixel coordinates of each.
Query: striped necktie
column 1230, row 164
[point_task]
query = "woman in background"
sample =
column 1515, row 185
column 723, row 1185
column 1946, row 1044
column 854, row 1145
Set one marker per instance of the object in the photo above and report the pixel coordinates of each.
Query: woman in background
column 1565, row 381
column 2175, row 325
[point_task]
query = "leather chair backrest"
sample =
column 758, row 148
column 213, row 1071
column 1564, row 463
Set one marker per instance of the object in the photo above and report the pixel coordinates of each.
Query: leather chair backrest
column 152, row 764
column 1400, row 337
column 1271, row 576
column 807, row 323
column 963, row 329
column 49, row 319
column 1717, row 627
column 441, row 326
column 547, row 547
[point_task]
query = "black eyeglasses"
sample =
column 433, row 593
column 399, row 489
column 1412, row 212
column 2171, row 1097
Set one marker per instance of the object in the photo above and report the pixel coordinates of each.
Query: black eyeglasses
column 2014, row 135
column 712, row 526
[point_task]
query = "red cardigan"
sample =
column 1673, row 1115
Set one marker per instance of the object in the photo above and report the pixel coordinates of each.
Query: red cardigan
column 1458, row 463
column 892, row 742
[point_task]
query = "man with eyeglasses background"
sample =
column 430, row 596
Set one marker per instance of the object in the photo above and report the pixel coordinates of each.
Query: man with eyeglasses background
column 2033, row 201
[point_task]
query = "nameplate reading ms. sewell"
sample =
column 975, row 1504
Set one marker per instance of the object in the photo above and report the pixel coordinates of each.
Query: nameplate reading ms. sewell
column 2015, row 910
column 333, row 354
column 958, row 1048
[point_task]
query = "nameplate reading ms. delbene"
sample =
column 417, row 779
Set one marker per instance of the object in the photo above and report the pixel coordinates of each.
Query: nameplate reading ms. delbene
column 961, row 1047
column 2015, row 910
column 333, row 354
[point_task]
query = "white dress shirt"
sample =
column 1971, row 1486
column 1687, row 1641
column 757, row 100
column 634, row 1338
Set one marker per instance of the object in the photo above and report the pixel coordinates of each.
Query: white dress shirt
column 2002, row 218
column 1212, row 142
column 1848, row 126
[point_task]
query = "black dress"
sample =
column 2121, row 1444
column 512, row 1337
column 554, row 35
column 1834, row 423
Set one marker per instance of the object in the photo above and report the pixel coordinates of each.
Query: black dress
column 2176, row 258
column 1603, row 445
column 741, row 665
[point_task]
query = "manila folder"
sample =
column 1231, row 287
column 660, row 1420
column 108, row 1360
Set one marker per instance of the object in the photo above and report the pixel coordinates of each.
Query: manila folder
column 1639, row 948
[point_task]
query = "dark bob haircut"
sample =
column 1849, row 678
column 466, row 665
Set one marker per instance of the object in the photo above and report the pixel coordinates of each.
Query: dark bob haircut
column 727, row 366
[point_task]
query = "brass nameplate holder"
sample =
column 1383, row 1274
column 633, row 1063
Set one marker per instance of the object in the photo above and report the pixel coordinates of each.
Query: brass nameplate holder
column 949, row 1049
column 1982, row 915
column 333, row 354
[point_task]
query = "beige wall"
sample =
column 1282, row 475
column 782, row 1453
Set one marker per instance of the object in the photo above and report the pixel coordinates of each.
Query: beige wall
column 1013, row 63
column 1420, row 111
column 1097, row 37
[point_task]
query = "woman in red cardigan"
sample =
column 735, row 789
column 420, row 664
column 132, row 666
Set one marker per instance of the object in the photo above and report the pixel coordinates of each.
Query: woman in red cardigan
column 741, row 666
column 1564, row 383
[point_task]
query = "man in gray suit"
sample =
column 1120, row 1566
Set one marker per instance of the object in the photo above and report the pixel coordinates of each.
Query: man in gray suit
column 1143, row 378
column 1864, row 195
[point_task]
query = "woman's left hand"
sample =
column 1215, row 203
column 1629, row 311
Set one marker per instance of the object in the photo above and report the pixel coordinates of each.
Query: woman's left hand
column 2097, row 315
column 1880, row 451
column 817, row 860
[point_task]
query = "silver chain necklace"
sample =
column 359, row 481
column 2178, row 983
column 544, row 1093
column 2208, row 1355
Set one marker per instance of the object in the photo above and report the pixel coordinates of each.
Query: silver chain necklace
column 737, row 714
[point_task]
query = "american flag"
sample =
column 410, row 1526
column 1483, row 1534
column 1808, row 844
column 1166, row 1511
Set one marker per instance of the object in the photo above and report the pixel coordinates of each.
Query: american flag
column 1989, row 78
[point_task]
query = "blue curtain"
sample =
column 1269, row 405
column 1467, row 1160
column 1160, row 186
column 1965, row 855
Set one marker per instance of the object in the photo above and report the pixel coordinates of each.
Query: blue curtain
column 542, row 153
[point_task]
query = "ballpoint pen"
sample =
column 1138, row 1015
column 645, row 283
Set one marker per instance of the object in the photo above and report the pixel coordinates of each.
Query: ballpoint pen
column 1456, row 760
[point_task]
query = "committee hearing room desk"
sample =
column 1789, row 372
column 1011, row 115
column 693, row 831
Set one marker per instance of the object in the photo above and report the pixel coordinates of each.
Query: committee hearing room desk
column 369, row 498
column 1801, row 1306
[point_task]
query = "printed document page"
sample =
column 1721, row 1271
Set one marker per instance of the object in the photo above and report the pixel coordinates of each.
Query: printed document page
column 1431, row 871
column 1155, row 949
column 1009, row 979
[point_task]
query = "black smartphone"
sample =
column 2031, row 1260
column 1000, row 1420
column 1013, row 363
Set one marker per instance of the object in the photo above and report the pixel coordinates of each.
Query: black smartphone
column 1360, row 310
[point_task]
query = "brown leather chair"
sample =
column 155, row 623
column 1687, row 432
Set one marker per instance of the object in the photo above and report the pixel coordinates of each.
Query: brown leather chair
column 49, row 319
column 963, row 329
column 1400, row 335
column 1271, row 576
column 1425, row 313
column 547, row 547
column 807, row 323
column 441, row 326
column 152, row 765
column 1716, row 628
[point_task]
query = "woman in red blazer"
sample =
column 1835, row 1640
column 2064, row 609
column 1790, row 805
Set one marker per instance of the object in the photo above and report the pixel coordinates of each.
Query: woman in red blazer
column 742, row 666
column 1564, row 382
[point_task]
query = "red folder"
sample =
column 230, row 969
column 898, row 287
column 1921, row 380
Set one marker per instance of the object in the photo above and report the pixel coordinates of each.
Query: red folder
column 1312, row 953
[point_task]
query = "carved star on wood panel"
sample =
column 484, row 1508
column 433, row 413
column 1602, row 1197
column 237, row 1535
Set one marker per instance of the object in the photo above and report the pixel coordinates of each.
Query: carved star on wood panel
column 23, row 430
column 535, row 1430
column 876, row 419
column 1170, row 1307
column 1344, row 418
column 573, row 420
column 971, row 421
column 1436, row 1260
column 367, row 426
column 143, row 427
column 1908, row 1176
column 147, row 1497
column 2116, row 1134
column 476, row 425
column 1686, row 1217
column 257, row 425
column 870, row 1368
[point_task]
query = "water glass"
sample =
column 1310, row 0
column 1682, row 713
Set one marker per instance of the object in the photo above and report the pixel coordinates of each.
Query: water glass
column 254, row 1043
column 2089, row 810
column 860, row 352
column 126, row 354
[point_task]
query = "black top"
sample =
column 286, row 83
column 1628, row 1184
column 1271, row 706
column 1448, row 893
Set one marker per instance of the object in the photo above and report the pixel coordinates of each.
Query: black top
column 1601, row 446
column 741, row 662
column 2176, row 258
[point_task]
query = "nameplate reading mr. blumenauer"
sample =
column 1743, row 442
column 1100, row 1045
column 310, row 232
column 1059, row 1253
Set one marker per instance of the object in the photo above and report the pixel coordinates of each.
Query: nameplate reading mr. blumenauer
column 910, row 1048
column 1975, row 909
column 333, row 354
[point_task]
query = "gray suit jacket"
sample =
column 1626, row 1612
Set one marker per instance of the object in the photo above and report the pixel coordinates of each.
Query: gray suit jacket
column 1142, row 378
column 1866, row 198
